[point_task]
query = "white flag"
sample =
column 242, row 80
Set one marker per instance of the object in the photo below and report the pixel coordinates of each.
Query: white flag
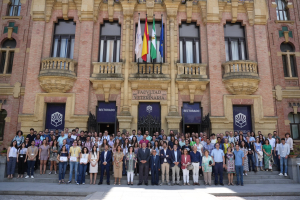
column 138, row 42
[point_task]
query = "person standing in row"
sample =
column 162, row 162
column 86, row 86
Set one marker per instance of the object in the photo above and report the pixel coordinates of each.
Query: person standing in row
column 218, row 156
column 118, row 163
column 230, row 165
column 130, row 164
column 267, row 149
column 44, row 154
column 53, row 156
column 207, row 163
column 154, row 168
column 143, row 158
column 93, row 159
column 283, row 152
column 12, row 154
column 165, row 160
column 32, row 152
column 175, row 164
column 239, row 164
column 63, row 160
column 185, row 161
column 21, row 160
column 258, row 152
column 105, row 164
column 196, row 159
column 84, row 156
column 74, row 154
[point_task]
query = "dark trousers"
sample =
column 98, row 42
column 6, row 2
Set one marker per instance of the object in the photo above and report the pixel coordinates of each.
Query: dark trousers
column 11, row 165
column 30, row 167
column 37, row 162
column 82, row 170
column 124, row 169
column 21, row 165
column 144, row 170
column 276, row 161
column 106, row 168
column 154, row 176
column 219, row 171
column 136, row 170
column 251, row 158
column 239, row 173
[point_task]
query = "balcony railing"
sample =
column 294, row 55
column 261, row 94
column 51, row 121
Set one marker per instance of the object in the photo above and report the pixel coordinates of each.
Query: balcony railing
column 191, row 70
column 107, row 70
column 240, row 68
column 58, row 66
column 149, row 68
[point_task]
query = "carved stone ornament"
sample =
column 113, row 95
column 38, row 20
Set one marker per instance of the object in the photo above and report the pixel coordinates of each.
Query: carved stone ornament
column 56, row 83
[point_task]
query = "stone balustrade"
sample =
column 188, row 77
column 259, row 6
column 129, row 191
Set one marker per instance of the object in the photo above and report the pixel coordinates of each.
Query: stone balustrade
column 105, row 69
column 191, row 70
column 241, row 76
column 57, row 64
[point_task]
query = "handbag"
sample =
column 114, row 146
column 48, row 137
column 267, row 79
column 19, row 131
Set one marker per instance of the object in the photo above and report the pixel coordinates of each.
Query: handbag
column 189, row 167
column 210, row 163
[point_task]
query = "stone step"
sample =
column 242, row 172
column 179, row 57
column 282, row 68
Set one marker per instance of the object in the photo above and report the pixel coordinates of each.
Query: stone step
column 124, row 180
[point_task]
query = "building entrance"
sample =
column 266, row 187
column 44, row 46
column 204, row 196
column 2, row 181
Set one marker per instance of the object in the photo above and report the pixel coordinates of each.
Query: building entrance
column 149, row 117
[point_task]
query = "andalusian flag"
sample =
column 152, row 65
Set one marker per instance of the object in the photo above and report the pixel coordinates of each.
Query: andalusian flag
column 145, row 42
column 153, row 42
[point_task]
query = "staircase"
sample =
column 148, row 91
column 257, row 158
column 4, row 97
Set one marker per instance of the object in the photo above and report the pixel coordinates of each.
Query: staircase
column 260, row 177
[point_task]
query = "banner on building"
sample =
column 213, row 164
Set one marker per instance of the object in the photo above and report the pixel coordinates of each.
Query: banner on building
column 149, row 108
column 192, row 113
column 106, row 112
column 242, row 120
column 55, row 116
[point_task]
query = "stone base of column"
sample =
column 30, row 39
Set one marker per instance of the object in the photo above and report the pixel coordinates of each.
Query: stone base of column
column 125, row 123
column 173, row 123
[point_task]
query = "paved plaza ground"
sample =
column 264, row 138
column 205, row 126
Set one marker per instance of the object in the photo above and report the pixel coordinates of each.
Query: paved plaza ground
column 54, row 191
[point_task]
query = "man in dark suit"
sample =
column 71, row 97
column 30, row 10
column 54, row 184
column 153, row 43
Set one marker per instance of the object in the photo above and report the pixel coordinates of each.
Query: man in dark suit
column 165, row 160
column 143, row 158
column 175, row 164
column 154, row 167
column 105, row 159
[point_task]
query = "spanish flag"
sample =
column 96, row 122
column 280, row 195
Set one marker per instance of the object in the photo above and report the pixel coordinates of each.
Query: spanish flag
column 145, row 50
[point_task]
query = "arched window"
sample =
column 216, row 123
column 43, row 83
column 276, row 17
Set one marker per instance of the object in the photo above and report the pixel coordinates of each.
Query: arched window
column 7, row 53
column 282, row 10
column 14, row 8
column 288, row 60
column 3, row 115
column 295, row 125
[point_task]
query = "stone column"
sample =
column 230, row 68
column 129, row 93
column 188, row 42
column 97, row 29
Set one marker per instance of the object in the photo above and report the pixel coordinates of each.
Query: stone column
column 173, row 118
column 125, row 117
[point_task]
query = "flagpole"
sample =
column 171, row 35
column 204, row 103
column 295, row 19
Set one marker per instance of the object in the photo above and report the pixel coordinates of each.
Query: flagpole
column 146, row 67
column 138, row 60
column 163, row 48
column 151, row 41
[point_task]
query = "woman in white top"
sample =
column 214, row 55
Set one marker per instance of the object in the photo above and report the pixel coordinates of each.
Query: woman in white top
column 93, row 159
column 12, row 154
column 21, row 160
column 83, row 165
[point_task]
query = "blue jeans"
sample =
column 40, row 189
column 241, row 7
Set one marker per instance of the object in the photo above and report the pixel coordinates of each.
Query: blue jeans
column 30, row 168
column 124, row 169
column 73, row 165
column 62, row 170
column 251, row 157
column 277, row 161
column 239, row 173
column 11, row 165
column 82, row 170
column 258, row 163
column 219, row 171
column 283, row 160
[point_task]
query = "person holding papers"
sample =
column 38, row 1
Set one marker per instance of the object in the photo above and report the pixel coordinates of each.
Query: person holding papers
column 74, row 154
column 63, row 160
column 83, row 165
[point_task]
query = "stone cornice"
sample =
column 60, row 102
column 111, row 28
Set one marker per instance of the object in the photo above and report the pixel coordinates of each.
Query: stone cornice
column 128, row 7
column 171, row 7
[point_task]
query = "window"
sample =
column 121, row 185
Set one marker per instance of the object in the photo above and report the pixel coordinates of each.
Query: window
column 64, row 39
column 110, row 41
column 189, row 43
column 14, row 8
column 3, row 115
column 294, row 125
column 7, row 56
column 282, row 10
column 288, row 60
column 158, row 59
column 235, row 43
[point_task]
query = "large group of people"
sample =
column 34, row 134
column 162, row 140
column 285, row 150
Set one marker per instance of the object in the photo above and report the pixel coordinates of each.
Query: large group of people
column 137, row 154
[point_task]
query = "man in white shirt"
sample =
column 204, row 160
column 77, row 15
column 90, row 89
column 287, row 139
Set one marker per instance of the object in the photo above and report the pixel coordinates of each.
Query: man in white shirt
column 231, row 138
column 133, row 134
column 74, row 136
column 213, row 139
column 105, row 136
column 283, row 152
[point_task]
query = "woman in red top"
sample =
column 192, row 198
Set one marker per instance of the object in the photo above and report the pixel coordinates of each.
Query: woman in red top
column 185, row 161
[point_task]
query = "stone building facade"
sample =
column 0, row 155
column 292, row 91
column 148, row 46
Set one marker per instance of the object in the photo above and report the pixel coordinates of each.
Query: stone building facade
column 231, row 62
